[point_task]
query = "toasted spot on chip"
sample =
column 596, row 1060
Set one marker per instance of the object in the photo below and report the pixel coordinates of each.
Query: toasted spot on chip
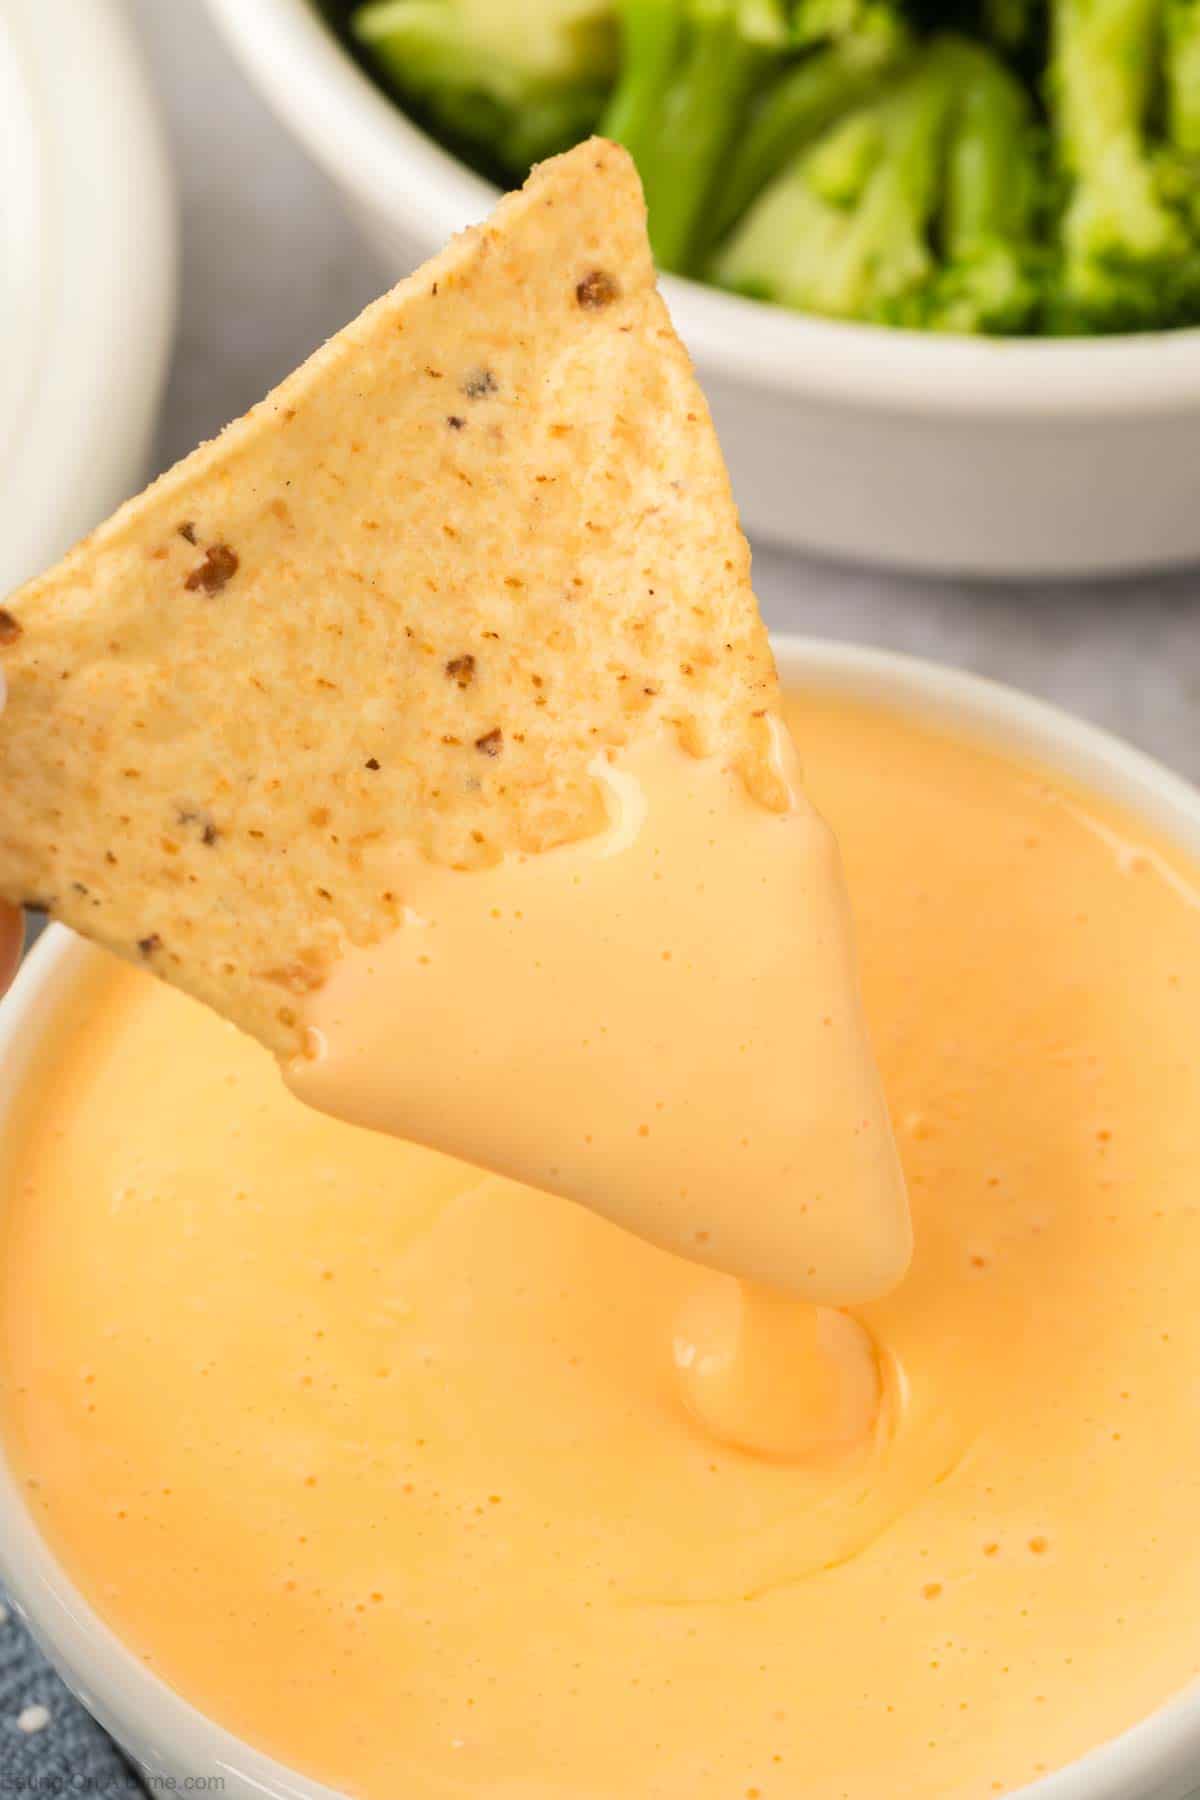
column 597, row 289
column 479, row 383
column 219, row 567
column 297, row 977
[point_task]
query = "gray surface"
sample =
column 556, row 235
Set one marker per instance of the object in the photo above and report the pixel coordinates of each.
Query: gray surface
column 49, row 1746
column 271, row 267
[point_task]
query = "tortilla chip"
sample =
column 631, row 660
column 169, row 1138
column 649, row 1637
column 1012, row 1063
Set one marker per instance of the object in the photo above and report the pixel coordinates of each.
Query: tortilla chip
column 482, row 532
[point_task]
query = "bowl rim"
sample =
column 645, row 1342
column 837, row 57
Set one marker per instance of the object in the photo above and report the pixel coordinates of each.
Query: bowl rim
column 90, row 263
column 367, row 144
column 161, row 1729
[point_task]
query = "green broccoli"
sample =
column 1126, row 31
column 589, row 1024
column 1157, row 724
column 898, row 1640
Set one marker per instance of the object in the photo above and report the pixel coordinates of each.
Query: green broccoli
column 1182, row 30
column 805, row 100
column 688, row 69
column 968, row 166
column 846, row 228
column 1126, row 252
column 511, row 82
column 989, row 281
column 1014, row 25
column 815, row 22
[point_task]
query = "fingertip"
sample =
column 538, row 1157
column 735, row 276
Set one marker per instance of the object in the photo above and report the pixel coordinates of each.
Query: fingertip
column 12, row 937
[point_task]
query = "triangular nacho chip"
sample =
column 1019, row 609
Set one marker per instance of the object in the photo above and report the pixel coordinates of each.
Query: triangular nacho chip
column 481, row 533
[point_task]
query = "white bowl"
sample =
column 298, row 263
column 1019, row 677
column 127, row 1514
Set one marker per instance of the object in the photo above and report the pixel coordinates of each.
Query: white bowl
column 87, row 274
column 1158, row 1759
column 1015, row 458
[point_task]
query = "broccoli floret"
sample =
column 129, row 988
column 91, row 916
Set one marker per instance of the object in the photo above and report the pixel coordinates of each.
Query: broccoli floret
column 842, row 161
column 815, row 22
column 989, row 281
column 1125, row 248
column 1182, row 57
column 513, row 82
column 688, row 69
column 801, row 104
column 845, row 229
column 1008, row 21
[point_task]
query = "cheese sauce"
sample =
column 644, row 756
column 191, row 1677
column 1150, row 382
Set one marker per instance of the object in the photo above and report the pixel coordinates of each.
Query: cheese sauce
column 430, row 1483
column 662, row 1022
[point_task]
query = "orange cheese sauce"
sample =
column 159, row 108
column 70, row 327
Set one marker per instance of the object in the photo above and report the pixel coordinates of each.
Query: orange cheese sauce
column 403, row 1472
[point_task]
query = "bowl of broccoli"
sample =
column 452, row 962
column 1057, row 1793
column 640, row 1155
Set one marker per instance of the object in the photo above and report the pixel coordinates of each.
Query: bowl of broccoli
column 938, row 261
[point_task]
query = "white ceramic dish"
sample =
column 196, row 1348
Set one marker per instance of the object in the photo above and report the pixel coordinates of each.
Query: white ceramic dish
column 1158, row 1759
column 87, row 273
column 955, row 455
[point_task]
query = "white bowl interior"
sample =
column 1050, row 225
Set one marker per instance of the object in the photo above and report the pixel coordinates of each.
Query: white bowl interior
column 1158, row 1759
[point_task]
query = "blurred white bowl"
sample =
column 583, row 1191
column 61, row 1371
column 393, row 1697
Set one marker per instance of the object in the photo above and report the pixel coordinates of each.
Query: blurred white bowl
column 1158, row 1759
column 87, row 273
column 1009, row 458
